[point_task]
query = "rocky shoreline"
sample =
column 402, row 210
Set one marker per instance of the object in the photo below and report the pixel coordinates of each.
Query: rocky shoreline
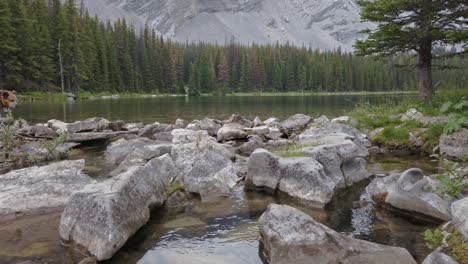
column 308, row 159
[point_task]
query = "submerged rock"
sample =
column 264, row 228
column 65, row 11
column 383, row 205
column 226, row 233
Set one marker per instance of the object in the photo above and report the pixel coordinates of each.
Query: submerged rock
column 460, row 216
column 455, row 145
column 38, row 190
column 207, row 167
column 291, row 236
column 102, row 216
column 411, row 193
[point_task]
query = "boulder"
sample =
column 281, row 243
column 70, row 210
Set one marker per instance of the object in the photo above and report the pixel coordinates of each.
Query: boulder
column 134, row 158
column 271, row 120
column 460, row 216
column 412, row 114
column 455, row 145
column 255, row 142
column 38, row 190
column 206, row 124
column 133, row 126
column 102, row 216
column 38, row 131
column 97, row 136
column 295, row 123
column 274, row 133
column 57, row 125
column 313, row 134
column 118, row 150
column 321, row 120
column 291, row 236
column 207, row 167
column 181, row 123
column 305, row 179
column 341, row 119
column 232, row 131
column 238, row 119
column 413, row 194
column 150, row 130
column 438, row 257
column 117, row 125
column 264, row 171
column 91, row 124
column 261, row 130
column 163, row 136
column 257, row 122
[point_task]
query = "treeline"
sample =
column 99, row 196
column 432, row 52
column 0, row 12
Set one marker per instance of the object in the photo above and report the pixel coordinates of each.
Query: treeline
column 42, row 41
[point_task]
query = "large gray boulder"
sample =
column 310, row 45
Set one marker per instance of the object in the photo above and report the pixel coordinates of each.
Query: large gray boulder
column 38, row 190
column 438, row 257
column 150, row 130
column 411, row 193
column 296, row 123
column 460, row 216
column 91, row 124
column 254, row 142
column 302, row 178
column 207, row 167
column 232, row 131
column 102, row 216
column 57, row 125
column 291, row 236
column 119, row 149
column 455, row 145
column 206, row 124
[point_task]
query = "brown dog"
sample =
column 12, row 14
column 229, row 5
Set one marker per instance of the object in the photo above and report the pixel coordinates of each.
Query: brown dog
column 8, row 100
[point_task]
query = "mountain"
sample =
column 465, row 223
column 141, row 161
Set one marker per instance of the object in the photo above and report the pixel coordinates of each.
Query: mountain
column 323, row 24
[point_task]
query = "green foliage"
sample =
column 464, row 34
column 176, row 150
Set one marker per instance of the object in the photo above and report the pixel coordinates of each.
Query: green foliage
column 457, row 246
column 456, row 123
column 176, row 186
column 112, row 57
column 453, row 179
column 8, row 133
column 52, row 146
column 433, row 238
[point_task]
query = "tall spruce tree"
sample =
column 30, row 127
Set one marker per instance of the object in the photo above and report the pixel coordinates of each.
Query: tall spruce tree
column 414, row 26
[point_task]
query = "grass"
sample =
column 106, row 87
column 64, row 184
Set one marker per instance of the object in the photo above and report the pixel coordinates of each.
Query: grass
column 176, row 186
column 396, row 133
column 457, row 246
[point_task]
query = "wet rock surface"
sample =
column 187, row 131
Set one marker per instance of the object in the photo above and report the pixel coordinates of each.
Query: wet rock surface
column 291, row 236
column 412, row 193
column 38, row 190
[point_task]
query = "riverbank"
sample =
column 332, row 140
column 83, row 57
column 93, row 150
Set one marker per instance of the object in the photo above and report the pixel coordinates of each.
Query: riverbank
column 100, row 95
column 412, row 124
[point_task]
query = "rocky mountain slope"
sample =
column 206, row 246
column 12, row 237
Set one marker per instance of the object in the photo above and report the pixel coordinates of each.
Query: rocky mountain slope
column 324, row 24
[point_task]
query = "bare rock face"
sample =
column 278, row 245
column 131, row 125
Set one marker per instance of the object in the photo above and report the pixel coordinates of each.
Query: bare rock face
column 455, row 145
column 102, row 216
column 412, row 193
column 291, row 236
column 43, row 189
column 119, row 149
column 207, row 167
column 460, row 216
column 38, row 131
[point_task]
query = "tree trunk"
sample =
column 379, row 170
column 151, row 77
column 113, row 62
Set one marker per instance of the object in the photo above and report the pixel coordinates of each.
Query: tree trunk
column 425, row 70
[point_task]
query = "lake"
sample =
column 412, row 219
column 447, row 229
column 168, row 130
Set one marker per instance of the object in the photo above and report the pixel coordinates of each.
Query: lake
column 168, row 109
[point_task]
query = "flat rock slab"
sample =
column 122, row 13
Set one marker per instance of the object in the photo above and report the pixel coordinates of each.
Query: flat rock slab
column 293, row 237
column 94, row 136
column 38, row 190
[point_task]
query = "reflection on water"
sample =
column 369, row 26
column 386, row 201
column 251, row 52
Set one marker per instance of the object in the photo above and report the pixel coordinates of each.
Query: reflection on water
column 168, row 109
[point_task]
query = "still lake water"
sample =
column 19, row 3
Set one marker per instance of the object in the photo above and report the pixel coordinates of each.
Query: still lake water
column 168, row 109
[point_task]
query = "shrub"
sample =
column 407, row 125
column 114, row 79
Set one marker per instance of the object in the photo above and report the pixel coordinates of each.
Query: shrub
column 433, row 238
